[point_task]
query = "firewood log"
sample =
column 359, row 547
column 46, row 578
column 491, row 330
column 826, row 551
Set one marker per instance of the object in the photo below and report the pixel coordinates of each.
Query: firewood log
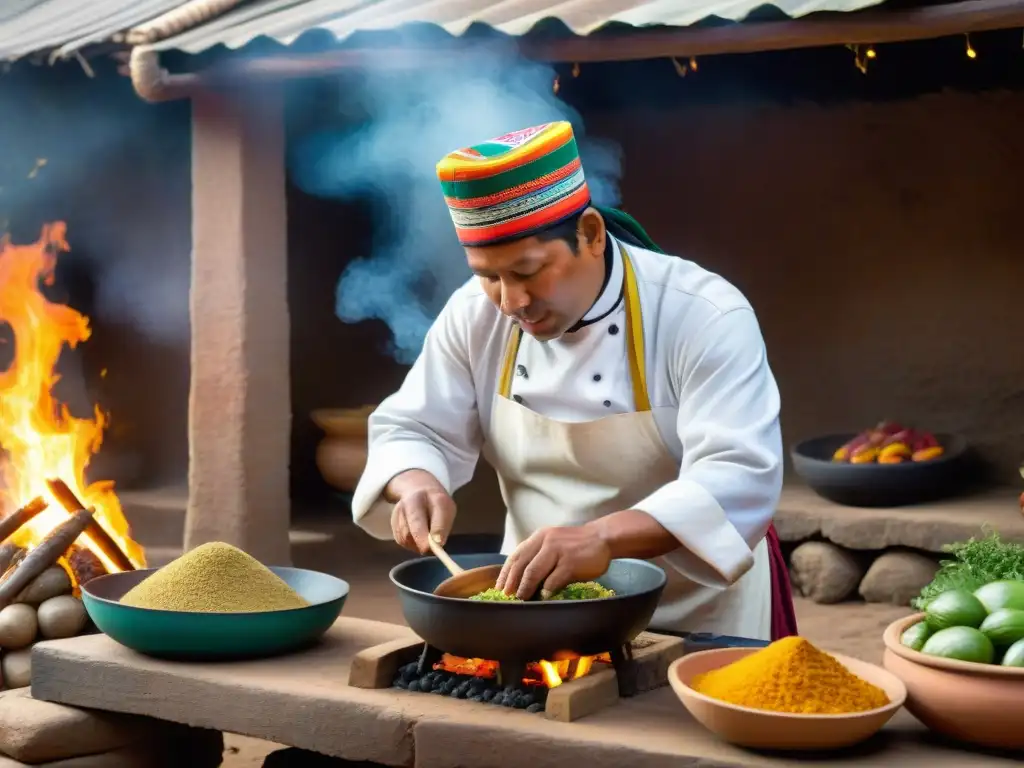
column 47, row 553
column 9, row 551
column 96, row 532
column 14, row 521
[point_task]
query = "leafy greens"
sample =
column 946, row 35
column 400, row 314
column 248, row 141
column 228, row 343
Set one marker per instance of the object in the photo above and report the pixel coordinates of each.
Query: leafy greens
column 974, row 563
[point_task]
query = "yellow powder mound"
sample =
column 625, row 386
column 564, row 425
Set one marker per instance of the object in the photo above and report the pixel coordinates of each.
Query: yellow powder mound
column 214, row 578
column 791, row 675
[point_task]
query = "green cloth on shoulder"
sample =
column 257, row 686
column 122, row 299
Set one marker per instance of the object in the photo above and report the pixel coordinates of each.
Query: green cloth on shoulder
column 630, row 225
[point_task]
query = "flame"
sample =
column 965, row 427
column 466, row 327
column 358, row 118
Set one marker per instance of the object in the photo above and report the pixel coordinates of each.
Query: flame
column 566, row 667
column 557, row 672
column 41, row 438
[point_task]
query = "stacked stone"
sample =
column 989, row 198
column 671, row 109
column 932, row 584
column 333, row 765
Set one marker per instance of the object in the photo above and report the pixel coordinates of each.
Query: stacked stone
column 40, row 733
column 46, row 609
column 827, row 573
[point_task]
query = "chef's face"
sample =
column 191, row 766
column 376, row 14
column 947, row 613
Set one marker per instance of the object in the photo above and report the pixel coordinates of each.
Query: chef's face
column 545, row 285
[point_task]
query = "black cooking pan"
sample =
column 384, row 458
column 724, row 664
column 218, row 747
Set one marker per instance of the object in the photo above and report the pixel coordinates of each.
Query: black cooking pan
column 518, row 631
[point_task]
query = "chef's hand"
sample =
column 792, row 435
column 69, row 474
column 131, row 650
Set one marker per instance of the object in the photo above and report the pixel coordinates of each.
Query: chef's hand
column 552, row 558
column 422, row 508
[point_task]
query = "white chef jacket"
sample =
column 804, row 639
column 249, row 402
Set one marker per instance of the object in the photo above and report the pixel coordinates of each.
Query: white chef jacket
column 712, row 393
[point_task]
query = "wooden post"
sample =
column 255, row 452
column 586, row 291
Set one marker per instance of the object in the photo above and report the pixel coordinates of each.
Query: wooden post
column 239, row 398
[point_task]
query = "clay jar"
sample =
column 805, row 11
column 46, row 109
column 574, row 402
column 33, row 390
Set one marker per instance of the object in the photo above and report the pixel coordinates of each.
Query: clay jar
column 341, row 454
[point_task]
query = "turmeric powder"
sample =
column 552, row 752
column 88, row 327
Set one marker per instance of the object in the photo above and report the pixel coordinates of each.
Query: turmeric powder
column 791, row 675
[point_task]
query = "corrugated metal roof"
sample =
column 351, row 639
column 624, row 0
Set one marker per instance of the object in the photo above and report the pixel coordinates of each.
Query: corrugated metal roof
column 30, row 26
column 286, row 20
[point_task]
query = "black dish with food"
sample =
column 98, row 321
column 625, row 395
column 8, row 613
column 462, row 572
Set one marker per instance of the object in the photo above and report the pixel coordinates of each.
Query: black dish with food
column 880, row 485
column 532, row 630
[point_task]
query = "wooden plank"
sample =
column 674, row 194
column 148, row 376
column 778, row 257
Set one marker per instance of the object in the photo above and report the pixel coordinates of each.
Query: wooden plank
column 376, row 667
column 652, row 661
column 581, row 697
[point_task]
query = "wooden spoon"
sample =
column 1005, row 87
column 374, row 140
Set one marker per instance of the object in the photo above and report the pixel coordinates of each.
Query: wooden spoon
column 462, row 583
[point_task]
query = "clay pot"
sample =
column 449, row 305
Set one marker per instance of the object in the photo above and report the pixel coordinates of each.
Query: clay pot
column 976, row 703
column 341, row 454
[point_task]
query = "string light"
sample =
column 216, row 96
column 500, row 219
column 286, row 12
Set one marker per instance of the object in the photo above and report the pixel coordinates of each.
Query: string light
column 680, row 67
column 693, row 63
column 556, row 85
column 971, row 53
column 576, row 69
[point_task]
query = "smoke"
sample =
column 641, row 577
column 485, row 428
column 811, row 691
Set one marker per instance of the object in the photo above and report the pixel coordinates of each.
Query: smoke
column 412, row 119
column 90, row 152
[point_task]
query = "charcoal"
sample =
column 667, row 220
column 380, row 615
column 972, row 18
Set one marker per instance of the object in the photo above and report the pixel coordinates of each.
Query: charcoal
column 409, row 672
column 476, row 689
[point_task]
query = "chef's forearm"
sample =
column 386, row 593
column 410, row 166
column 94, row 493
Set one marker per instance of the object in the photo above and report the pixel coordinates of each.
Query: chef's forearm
column 633, row 533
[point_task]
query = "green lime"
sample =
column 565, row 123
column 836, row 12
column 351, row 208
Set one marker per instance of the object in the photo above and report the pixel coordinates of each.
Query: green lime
column 1004, row 627
column 997, row 595
column 956, row 608
column 1014, row 656
column 962, row 644
column 915, row 635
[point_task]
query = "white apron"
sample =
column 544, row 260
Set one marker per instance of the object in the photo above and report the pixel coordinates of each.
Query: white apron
column 555, row 473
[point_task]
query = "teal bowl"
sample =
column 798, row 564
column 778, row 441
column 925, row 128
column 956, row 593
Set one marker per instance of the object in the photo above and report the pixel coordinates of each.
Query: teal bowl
column 215, row 636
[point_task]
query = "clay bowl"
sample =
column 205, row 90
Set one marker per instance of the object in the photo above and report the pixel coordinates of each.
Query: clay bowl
column 880, row 485
column 979, row 704
column 759, row 729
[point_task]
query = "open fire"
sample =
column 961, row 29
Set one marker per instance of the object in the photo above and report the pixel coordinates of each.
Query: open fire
column 47, row 502
column 549, row 674
column 565, row 688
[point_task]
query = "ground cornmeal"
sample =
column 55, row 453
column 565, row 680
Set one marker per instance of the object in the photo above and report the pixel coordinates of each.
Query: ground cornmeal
column 791, row 675
column 214, row 578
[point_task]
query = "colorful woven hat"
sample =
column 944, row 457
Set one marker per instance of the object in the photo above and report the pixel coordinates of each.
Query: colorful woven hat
column 514, row 185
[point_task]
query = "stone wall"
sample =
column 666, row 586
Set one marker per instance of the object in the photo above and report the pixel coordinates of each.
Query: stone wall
column 885, row 268
column 859, row 230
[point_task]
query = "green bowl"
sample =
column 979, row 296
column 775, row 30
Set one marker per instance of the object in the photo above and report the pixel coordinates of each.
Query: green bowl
column 215, row 636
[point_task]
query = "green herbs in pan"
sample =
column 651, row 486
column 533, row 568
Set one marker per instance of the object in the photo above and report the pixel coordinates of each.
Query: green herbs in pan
column 496, row 595
column 583, row 590
column 580, row 590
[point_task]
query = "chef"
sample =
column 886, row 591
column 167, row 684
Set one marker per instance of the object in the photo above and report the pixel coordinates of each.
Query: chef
column 622, row 395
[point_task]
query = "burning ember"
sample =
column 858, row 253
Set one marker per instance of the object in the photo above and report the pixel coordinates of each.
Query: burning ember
column 550, row 674
column 47, row 449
